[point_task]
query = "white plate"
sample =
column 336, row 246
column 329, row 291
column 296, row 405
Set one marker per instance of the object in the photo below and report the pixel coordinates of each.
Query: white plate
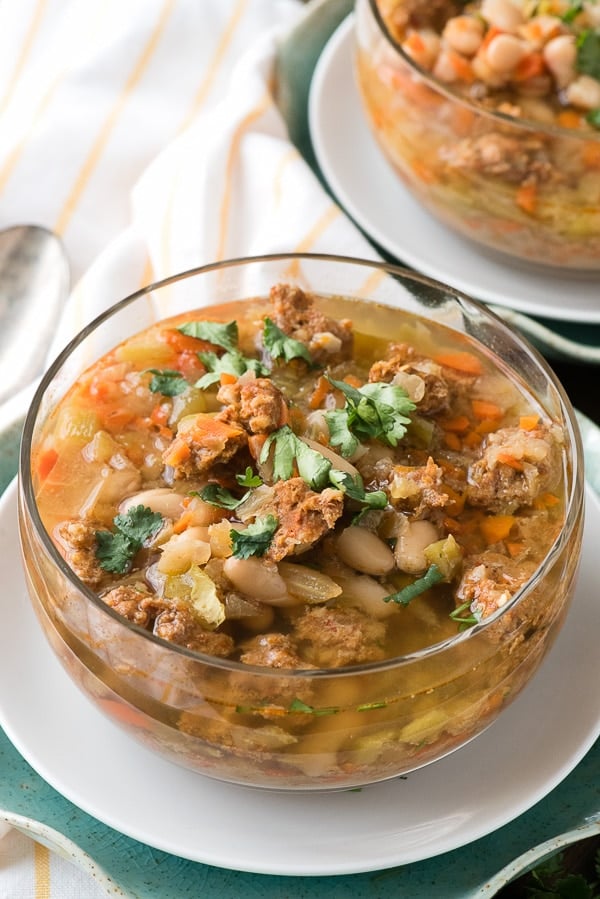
column 366, row 186
column 525, row 754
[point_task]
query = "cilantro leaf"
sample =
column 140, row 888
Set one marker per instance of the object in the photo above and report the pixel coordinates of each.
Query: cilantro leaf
column 340, row 434
column 588, row 53
column 219, row 496
column 575, row 7
column 354, row 488
column 312, row 466
column 376, row 410
column 593, row 118
column 280, row 346
column 223, row 335
column 231, row 363
column 115, row 551
column 167, row 381
column 255, row 539
column 403, row 597
column 249, row 479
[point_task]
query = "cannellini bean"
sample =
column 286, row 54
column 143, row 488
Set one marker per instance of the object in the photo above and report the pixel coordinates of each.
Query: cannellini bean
column 423, row 47
column 504, row 53
column 258, row 579
column 502, row 14
column 485, row 73
column 366, row 593
column 162, row 500
column 183, row 550
column 559, row 55
column 411, row 543
column 584, row 92
column 445, row 66
column 364, row 551
column 463, row 34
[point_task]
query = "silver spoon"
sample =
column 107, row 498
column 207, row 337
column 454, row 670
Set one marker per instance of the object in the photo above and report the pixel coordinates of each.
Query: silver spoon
column 34, row 283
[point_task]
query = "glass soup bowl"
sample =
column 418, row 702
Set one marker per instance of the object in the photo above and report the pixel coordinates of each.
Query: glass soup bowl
column 282, row 728
column 477, row 170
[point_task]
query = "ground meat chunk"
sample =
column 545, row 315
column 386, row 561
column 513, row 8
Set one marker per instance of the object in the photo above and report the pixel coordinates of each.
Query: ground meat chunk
column 418, row 489
column 178, row 624
column 514, row 160
column 331, row 637
column 78, row 540
column 422, row 378
column 294, row 311
column 304, row 516
column 137, row 606
column 515, row 468
column 489, row 580
column 272, row 651
column 202, row 443
column 256, row 403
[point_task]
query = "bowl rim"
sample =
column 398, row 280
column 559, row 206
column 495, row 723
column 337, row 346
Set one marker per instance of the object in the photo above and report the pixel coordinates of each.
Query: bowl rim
column 27, row 495
column 537, row 855
column 502, row 118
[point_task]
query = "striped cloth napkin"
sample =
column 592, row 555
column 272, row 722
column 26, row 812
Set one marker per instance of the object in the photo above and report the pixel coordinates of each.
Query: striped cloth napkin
column 146, row 134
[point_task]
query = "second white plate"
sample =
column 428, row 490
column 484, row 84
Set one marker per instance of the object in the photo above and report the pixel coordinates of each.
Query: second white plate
column 525, row 754
column 368, row 189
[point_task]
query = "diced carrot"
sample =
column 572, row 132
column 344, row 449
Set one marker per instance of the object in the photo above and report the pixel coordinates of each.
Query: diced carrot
column 183, row 522
column 123, row 713
column 511, row 461
column 160, row 414
column 353, row 381
column 472, row 439
column 515, row 549
column 46, row 462
column 414, row 44
column 546, row 501
column 453, row 441
column 460, row 360
column 591, row 154
column 177, row 453
column 457, row 425
column 529, row 422
column 483, row 409
column 255, row 445
column 531, row 66
column 568, row 118
column 488, row 37
column 496, row 527
column 116, row 418
column 321, row 390
column 526, row 197
column 182, row 342
column 226, row 378
column 461, row 65
column 456, row 501
column 487, row 426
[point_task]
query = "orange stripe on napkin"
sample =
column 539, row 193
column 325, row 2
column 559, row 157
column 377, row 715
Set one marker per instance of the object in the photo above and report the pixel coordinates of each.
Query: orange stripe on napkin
column 41, row 865
column 213, row 66
column 291, row 155
column 246, row 122
column 102, row 139
column 38, row 14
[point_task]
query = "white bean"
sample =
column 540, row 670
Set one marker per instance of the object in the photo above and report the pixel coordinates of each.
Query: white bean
column 502, row 14
column 504, row 52
column 463, row 34
column 259, row 579
column 160, row 499
column 366, row 593
column 411, row 543
column 584, row 92
column 423, row 47
column 559, row 55
column 364, row 551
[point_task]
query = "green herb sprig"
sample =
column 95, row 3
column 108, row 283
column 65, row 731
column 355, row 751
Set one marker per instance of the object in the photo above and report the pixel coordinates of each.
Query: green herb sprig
column 115, row 551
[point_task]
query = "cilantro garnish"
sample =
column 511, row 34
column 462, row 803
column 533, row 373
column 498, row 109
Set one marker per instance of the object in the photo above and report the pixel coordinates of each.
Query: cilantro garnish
column 376, row 410
column 167, row 381
column 465, row 621
column 223, row 335
column 593, row 118
column 115, row 551
column 231, row 363
column 255, row 539
column 249, row 479
column 280, row 346
column 312, row 466
column 219, row 496
column 588, row 53
column 297, row 705
column 575, row 7
column 354, row 489
column 403, row 597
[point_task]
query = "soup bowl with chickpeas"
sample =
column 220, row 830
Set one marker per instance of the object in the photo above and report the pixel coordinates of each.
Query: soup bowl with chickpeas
column 300, row 522
column 489, row 112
